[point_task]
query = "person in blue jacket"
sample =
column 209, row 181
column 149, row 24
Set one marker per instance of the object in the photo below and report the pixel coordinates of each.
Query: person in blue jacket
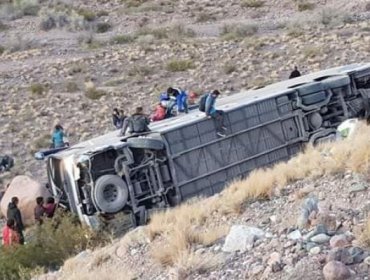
column 181, row 99
column 217, row 115
column 58, row 137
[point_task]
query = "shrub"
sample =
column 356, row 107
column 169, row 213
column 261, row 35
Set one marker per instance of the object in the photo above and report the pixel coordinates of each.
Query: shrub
column 72, row 87
column 87, row 14
column 305, row 6
column 3, row 26
column 2, row 50
column 232, row 32
column 48, row 246
column 179, row 65
column 252, row 3
column 311, row 51
column 19, row 8
column 41, row 142
column 102, row 27
column 176, row 32
column 18, row 43
column 140, row 71
column 203, row 17
column 37, row 89
column 94, row 93
column 102, row 13
column 122, row 39
column 229, row 68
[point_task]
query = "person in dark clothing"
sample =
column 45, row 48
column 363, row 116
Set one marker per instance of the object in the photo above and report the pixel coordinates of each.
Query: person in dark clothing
column 15, row 214
column 50, row 207
column 295, row 73
column 217, row 115
column 137, row 123
column 6, row 162
column 118, row 118
column 39, row 210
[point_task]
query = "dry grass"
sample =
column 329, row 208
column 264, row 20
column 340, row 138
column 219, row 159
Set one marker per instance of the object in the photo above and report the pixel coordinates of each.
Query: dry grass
column 191, row 262
column 365, row 235
column 182, row 227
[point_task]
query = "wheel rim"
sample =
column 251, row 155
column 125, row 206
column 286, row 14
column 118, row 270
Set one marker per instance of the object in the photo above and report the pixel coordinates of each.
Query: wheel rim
column 110, row 193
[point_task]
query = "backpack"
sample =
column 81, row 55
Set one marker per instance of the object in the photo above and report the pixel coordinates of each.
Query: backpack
column 202, row 102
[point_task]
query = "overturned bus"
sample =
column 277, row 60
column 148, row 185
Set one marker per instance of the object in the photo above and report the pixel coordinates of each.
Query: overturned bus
column 108, row 177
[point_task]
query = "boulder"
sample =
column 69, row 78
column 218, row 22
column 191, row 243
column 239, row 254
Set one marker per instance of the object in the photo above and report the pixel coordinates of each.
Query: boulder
column 241, row 238
column 335, row 270
column 339, row 241
column 26, row 189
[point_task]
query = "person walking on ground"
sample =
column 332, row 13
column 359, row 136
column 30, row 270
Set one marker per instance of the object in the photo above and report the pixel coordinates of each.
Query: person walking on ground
column 10, row 235
column 58, row 137
column 15, row 214
column 50, row 207
column 118, row 118
column 39, row 210
column 295, row 73
column 137, row 123
column 211, row 112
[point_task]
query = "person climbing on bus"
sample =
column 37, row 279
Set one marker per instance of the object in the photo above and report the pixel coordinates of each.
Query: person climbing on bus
column 181, row 99
column 137, row 123
column 295, row 73
column 159, row 113
column 118, row 118
column 209, row 101
column 58, row 137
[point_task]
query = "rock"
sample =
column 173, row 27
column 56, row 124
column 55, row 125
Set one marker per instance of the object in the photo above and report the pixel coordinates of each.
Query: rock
column 335, row 270
column 320, row 238
column 295, row 235
column 328, row 220
column 241, row 238
column 310, row 245
column 27, row 190
column 315, row 250
column 275, row 262
column 357, row 254
column 340, row 254
column 367, row 261
column 308, row 206
column 358, row 188
column 339, row 241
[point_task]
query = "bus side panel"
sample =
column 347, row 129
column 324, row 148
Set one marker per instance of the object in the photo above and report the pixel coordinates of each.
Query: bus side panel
column 259, row 134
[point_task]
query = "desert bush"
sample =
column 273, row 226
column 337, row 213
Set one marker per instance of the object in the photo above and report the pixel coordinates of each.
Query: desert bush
column 102, row 13
column 66, row 17
column 204, row 17
column 18, row 43
column 94, row 93
column 252, row 3
column 229, row 68
column 2, row 50
column 311, row 51
column 48, row 246
column 176, row 32
column 3, row 26
column 305, row 6
column 41, row 142
column 140, row 71
column 72, row 87
column 122, row 39
column 19, row 8
column 37, row 89
column 102, row 27
column 179, row 65
column 234, row 32
column 87, row 14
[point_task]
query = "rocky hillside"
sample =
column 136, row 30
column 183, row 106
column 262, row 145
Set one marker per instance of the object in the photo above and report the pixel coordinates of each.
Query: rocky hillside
column 131, row 50
column 74, row 61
